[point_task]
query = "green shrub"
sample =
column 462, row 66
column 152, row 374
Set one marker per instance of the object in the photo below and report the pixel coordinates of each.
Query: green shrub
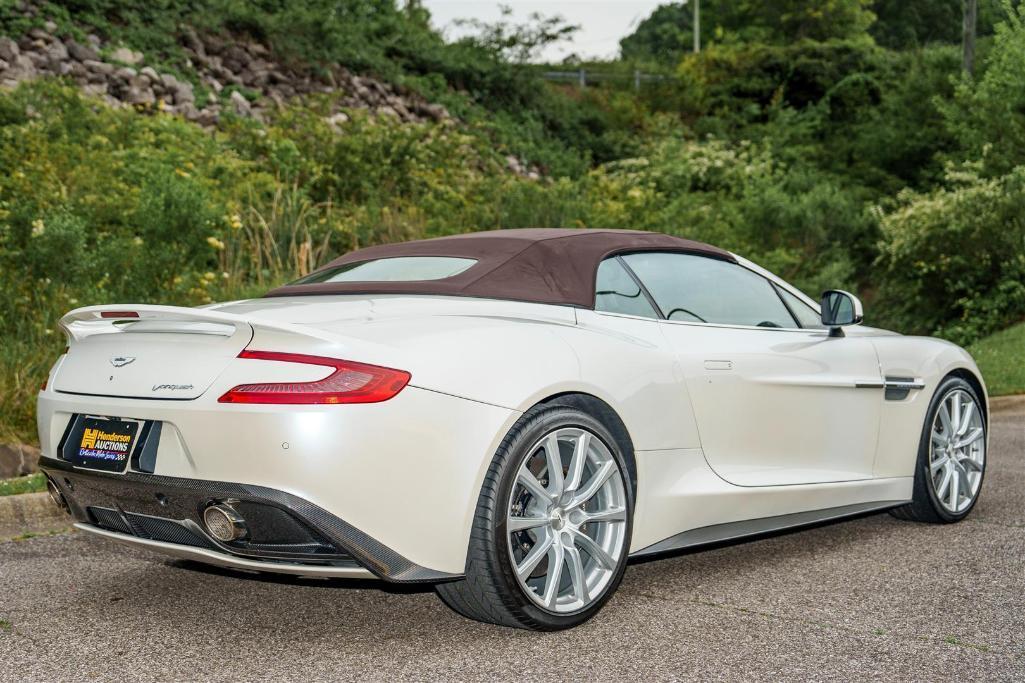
column 988, row 117
column 953, row 260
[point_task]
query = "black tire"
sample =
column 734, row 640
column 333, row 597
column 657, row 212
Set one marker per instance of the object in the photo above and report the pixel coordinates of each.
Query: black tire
column 490, row 591
column 924, row 505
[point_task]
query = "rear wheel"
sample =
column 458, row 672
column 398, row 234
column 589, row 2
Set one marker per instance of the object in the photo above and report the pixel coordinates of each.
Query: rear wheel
column 951, row 458
column 551, row 535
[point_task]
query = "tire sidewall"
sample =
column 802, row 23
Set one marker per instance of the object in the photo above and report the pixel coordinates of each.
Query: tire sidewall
column 924, row 447
column 528, row 435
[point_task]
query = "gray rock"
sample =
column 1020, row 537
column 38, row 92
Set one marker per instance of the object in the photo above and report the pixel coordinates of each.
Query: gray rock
column 3, row 65
column 17, row 460
column 434, row 111
column 95, row 89
column 49, row 26
column 139, row 92
column 150, row 73
column 39, row 34
column 207, row 117
column 38, row 59
column 169, row 81
column 95, row 66
column 81, row 52
column 240, row 105
column 193, row 42
column 22, row 67
column 78, row 70
column 183, row 94
column 387, row 111
column 126, row 56
column 188, row 110
column 94, row 41
column 8, row 49
column 336, row 121
column 126, row 73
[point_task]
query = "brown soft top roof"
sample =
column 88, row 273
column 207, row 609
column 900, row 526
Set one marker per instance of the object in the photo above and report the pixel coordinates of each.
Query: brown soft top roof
column 550, row 266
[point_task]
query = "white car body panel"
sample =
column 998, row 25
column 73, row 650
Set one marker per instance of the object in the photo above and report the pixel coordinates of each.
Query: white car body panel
column 727, row 423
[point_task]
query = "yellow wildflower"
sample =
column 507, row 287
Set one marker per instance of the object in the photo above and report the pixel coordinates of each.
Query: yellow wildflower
column 215, row 243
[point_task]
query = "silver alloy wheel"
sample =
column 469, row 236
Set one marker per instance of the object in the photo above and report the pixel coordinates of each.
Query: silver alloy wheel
column 957, row 452
column 567, row 520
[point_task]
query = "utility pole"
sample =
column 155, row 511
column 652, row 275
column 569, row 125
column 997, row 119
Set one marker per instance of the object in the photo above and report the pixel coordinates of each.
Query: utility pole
column 697, row 25
column 971, row 11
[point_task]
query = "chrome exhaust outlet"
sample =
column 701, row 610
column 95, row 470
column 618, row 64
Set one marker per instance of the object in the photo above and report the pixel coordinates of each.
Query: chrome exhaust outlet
column 56, row 496
column 224, row 523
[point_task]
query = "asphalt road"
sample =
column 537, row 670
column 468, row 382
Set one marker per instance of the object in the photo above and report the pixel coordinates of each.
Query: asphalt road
column 873, row 598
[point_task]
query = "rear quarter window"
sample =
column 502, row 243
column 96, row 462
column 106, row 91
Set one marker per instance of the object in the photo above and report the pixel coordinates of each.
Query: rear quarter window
column 396, row 269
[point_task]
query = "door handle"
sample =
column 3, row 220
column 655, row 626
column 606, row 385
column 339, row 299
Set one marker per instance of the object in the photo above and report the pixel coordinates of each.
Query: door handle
column 718, row 365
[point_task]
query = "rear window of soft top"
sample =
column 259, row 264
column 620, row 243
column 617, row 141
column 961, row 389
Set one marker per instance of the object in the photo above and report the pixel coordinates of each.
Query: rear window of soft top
column 395, row 269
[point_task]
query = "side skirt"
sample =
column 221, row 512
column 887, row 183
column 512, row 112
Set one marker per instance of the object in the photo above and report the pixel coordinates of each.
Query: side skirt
column 717, row 533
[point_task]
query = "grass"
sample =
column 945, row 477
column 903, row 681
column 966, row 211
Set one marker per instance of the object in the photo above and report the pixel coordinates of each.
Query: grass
column 1001, row 358
column 6, row 625
column 33, row 483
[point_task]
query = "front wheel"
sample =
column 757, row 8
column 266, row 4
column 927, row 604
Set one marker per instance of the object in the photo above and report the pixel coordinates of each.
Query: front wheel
column 951, row 456
column 550, row 539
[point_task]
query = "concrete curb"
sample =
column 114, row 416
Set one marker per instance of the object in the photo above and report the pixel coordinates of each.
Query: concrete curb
column 1006, row 404
column 30, row 513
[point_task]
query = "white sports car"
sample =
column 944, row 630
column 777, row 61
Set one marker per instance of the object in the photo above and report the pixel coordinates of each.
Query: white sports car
column 511, row 415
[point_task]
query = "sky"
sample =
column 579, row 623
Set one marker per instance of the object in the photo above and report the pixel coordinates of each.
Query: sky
column 602, row 22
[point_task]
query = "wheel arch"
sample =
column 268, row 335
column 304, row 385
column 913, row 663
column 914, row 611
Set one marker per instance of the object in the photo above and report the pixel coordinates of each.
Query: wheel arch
column 976, row 383
column 591, row 404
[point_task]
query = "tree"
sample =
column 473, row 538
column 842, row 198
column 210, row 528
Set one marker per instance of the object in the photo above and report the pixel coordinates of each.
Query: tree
column 904, row 24
column 519, row 43
column 667, row 34
column 987, row 116
column 971, row 15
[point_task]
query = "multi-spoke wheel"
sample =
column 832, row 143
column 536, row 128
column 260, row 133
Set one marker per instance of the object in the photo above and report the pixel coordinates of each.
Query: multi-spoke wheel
column 552, row 531
column 567, row 520
column 952, row 456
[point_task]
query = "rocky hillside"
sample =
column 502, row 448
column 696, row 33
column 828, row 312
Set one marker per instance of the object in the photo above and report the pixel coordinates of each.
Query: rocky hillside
column 224, row 75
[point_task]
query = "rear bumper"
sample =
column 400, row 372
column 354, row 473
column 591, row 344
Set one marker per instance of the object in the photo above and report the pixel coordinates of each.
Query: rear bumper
column 405, row 472
column 222, row 560
column 289, row 534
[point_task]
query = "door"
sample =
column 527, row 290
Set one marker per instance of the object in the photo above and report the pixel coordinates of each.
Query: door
column 775, row 403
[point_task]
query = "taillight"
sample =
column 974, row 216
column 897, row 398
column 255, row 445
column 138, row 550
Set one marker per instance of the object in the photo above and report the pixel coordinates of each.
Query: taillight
column 119, row 314
column 351, row 382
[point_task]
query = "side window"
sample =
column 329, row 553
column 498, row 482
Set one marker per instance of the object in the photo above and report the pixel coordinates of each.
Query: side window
column 807, row 316
column 616, row 292
column 700, row 289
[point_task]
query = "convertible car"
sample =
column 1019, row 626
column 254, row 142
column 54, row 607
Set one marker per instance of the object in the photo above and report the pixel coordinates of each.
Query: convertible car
column 509, row 415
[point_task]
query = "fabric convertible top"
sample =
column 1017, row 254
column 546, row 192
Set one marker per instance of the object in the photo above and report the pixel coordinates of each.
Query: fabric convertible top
column 550, row 266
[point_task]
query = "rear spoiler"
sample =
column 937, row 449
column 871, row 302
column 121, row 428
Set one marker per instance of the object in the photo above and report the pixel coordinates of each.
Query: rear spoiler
column 113, row 318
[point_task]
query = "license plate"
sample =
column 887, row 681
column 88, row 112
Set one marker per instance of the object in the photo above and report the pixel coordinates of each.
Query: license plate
column 101, row 444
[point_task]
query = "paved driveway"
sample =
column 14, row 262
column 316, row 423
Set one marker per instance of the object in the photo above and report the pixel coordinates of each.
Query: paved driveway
column 871, row 598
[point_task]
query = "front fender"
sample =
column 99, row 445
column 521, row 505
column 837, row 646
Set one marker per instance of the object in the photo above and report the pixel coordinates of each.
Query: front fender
column 926, row 360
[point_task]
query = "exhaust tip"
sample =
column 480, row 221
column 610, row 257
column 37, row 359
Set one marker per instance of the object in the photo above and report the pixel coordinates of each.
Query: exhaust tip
column 56, row 496
column 224, row 523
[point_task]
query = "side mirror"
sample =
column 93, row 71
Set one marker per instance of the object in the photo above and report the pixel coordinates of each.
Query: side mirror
column 840, row 308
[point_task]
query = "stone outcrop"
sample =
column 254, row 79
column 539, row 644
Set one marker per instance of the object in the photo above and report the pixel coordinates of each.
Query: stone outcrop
column 234, row 75
column 17, row 460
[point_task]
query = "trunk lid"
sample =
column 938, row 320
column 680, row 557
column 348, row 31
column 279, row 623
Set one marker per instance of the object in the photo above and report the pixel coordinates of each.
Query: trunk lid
column 165, row 353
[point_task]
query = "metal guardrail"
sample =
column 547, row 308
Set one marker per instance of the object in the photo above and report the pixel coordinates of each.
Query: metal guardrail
column 582, row 77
